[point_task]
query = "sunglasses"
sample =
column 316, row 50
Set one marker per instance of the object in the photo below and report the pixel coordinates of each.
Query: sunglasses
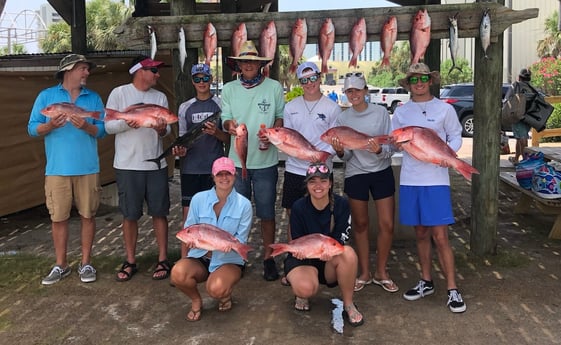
column 204, row 79
column 310, row 79
column 415, row 80
column 152, row 69
column 356, row 74
column 322, row 168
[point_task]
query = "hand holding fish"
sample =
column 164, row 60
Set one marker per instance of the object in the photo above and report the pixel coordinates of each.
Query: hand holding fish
column 210, row 128
column 337, row 146
column 58, row 121
column 179, row 150
column 77, row 121
column 231, row 126
column 160, row 126
column 375, row 146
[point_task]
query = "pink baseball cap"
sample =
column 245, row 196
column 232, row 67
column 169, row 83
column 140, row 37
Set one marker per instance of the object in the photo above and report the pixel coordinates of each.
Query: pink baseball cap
column 223, row 164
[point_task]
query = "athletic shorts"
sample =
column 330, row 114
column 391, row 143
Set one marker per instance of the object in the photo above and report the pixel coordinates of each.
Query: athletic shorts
column 380, row 184
column 262, row 184
column 137, row 186
column 60, row 191
column 293, row 188
column 291, row 262
column 191, row 184
column 425, row 205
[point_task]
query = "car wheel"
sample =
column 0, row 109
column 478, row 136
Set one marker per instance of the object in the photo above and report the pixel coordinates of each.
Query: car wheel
column 467, row 125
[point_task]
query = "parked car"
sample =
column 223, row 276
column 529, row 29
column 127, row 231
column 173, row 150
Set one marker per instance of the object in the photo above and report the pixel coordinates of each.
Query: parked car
column 389, row 97
column 460, row 96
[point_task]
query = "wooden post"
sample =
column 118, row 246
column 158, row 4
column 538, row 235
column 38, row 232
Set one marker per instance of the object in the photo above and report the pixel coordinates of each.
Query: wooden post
column 78, row 27
column 487, row 126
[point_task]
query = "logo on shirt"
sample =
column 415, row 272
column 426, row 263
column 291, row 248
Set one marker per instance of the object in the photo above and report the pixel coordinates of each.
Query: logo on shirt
column 264, row 105
column 321, row 117
column 200, row 117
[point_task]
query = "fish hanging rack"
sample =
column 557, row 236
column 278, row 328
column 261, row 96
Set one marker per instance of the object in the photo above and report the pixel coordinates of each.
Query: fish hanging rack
column 133, row 32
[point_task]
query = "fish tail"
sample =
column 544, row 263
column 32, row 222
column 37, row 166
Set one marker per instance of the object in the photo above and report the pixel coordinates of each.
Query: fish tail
column 384, row 139
column 278, row 248
column 266, row 71
column 353, row 61
column 466, row 170
column 385, row 62
column 155, row 160
column 243, row 249
column 95, row 114
column 110, row 114
column 324, row 67
column 323, row 156
column 292, row 68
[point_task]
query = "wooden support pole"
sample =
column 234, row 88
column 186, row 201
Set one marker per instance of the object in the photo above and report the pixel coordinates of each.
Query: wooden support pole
column 78, row 27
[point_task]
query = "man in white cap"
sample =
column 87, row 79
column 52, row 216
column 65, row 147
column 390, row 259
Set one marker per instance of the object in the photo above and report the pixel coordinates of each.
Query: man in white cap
column 72, row 170
column 311, row 115
column 424, row 194
column 255, row 100
column 139, row 180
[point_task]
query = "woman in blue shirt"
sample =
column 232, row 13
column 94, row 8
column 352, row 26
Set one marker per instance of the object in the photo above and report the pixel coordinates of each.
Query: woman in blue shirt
column 225, row 208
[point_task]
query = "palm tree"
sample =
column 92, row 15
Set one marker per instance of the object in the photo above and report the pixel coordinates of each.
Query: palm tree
column 551, row 44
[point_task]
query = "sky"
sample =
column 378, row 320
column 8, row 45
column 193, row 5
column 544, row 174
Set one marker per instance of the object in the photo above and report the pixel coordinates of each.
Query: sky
column 17, row 6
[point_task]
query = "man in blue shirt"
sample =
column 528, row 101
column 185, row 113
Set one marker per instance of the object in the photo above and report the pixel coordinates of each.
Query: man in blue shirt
column 72, row 170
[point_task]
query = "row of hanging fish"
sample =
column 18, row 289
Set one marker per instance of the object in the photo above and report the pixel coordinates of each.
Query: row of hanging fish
column 419, row 39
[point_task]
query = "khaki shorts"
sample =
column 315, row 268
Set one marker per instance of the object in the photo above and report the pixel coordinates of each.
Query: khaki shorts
column 60, row 191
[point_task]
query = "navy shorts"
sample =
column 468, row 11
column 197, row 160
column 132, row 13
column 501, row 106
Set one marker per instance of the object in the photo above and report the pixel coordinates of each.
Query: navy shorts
column 381, row 184
column 136, row 186
column 291, row 262
column 205, row 261
column 191, row 184
column 293, row 188
column 262, row 184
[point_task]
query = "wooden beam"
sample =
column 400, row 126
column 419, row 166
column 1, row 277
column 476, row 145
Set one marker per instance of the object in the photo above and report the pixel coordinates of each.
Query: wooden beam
column 133, row 31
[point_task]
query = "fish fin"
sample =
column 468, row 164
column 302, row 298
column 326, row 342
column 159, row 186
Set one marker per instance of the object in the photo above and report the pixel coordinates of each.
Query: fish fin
column 243, row 249
column 465, row 169
column 278, row 248
column 155, row 160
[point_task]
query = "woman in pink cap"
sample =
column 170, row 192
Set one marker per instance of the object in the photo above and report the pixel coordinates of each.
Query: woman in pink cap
column 225, row 208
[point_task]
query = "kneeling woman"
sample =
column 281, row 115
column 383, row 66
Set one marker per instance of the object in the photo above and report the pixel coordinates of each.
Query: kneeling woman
column 223, row 207
column 321, row 211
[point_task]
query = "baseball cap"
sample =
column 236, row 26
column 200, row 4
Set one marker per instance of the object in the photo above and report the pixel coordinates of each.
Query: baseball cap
column 69, row 61
column 354, row 81
column 525, row 73
column 305, row 66
column 143, row 62
column 201, row 68
column 317, row 169
column 223, row 164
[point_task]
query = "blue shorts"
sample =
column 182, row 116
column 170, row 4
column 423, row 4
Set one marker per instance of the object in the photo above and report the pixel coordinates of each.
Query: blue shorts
column 381, row 185
column 425, row 205
column 191, row 184
column 135, row 186
column 520, row 130
column 262, row 184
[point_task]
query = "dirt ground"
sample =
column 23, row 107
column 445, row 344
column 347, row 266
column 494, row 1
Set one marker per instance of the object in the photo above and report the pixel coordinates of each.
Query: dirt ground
column 512, row 298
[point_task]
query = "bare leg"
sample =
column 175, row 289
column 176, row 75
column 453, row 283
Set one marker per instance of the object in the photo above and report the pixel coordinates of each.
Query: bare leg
column 423, row 234
column 268, row 234
column 88, row 233
column 130, row 236
column 161, row 230
column 185, row 275
column 445, row 254
column 60, row 242
column 385, row 212
column 359, row 217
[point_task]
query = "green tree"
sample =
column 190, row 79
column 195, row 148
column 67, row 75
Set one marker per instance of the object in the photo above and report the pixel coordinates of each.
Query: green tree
column 102, row 18
column 551, row 44
column 448, row 77
column 16, row 49
column 399, row 62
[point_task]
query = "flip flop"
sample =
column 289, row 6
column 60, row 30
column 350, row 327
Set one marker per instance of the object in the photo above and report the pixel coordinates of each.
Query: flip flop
column 386, row 284
column 225, row 304
column 301, row 304
column 352, row 309
column 360, row 284
column 194, row 315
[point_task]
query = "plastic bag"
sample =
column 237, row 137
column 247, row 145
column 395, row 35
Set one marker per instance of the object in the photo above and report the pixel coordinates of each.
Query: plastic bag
column 546, row 182
column 525, row 169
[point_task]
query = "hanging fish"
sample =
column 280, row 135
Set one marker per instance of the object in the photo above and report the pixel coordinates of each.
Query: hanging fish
column 239, row 36
column 153, row 43
column 419, row 38
column 454, row 44
column 182, row 49
column 210, row 42
column 357, row 41
column 297, row 42
column 268, row 44
column 326, row 42
column 388, row 38
column 485, row 32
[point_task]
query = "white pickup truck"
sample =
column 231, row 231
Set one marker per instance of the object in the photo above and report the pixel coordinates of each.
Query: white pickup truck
column 389, row 97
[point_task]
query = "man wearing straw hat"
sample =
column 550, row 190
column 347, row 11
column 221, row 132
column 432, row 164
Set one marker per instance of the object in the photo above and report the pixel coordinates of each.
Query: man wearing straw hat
column 424, row 191
column 253, row 100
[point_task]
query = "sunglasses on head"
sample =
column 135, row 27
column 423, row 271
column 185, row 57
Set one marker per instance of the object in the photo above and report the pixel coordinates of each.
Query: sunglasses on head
column 322, row 168
column 356, row 74
column 310, row 79
column 424, row 79
column 151, row 69
column 204, row 79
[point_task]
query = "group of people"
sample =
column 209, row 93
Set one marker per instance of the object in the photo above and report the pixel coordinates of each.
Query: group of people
column 213, row 190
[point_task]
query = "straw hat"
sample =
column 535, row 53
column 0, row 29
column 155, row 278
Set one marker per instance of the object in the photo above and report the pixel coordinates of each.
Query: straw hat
column 247, row 52
column 419, row 68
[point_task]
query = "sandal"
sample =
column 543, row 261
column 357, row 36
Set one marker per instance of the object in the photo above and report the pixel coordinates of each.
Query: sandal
column 128, row 275
column 164, row 266
column 225, row 304
column 301, row 304
column 194, row 315
column 386, row 284
column 352, row 315
column 360, row 284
